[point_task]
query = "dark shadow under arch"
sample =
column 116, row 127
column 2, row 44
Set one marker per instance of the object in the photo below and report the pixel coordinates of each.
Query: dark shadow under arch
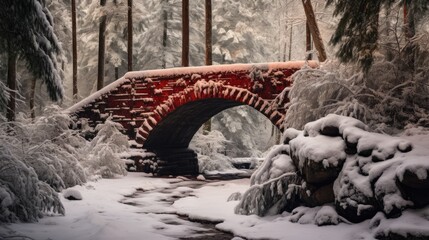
column 178, row 127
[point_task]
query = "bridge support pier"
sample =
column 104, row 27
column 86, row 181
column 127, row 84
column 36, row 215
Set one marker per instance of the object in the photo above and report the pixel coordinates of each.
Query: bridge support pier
column 176, row 161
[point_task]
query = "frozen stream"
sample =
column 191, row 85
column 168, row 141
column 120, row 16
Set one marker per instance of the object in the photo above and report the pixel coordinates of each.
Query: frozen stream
column 200, row 229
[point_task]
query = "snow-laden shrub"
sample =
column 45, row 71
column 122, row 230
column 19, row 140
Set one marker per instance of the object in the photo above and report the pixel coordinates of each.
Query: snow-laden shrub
column 317, row 92
column 275, row 164
column 388, row 96
column 213, row 142
column 37, row 160
column 4, row 95
column 23, row 197
column 103, row 159
column 51, row 148
column 214, row 162
column 272, row 197
column 40, row 158
column 19, row 190
column 210, row 149
column 249, row 132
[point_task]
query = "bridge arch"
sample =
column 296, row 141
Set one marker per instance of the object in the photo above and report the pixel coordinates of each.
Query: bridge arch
column 162, row 109
column 175, row 121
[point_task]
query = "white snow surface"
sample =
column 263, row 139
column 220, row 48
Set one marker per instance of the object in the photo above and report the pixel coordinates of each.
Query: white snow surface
column 310, row 148
column 72, row 193
column 333, row 120
column 102, row 214
column 217, row 69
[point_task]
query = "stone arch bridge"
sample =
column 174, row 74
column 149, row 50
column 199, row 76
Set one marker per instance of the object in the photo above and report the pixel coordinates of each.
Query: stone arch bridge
column 162, row 109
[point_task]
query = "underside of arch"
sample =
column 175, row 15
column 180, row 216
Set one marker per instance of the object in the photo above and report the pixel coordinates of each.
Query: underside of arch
column 177, row 129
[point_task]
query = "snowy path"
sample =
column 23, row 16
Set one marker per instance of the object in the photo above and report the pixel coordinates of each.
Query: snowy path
column 141, row 207
column 136, row 207
column 159, row 202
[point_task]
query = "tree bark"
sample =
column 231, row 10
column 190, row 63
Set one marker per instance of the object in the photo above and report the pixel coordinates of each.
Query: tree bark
column 101, row 48
column 130, row 35
column 290, row 42
column 308, row 43
column 32, row 98
column 185, row 33
column 164, row 37
column 11, row 83
column 409, row 21
column 207, row 127
column 314, row 29
column 410, row 32
column 209, row 58
column 116, row 72
column 74, row 50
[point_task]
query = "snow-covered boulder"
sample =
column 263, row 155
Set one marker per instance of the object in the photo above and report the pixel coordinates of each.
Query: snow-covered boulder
column 72, row 194
column 313, row 195
column 327, row 216
column 415, row 173
column 337, row 161
column 332, row 125
column 319, row 159
column 289, row 134
column 321, row 216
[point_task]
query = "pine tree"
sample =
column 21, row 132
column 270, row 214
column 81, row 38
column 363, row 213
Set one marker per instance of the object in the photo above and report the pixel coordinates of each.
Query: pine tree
column 26, row 31
column 357, row 33
column 162, row 20
column 237, row 37
column 116, row 40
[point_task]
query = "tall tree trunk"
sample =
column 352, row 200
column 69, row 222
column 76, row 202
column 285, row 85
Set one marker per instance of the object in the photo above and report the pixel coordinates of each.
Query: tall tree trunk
column 410, row 32
column 130, row 35
column 74, row 50
column 314, row 29
column 388, row 45
column 185, row 33
column 32, row 98
column 207, row 127
column 308, row 43
column 11, row 83
column 290, row 42
column 209, row 58
column 164, row 37
column 409, row 19
column 101, row 48
column 284, row 53
column 116, row 73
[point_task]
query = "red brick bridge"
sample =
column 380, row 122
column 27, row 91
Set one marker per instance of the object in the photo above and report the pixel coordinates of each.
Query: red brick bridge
column 162, row 109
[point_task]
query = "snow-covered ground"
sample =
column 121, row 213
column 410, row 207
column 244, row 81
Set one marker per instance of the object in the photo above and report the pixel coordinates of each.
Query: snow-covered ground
column 139, row 206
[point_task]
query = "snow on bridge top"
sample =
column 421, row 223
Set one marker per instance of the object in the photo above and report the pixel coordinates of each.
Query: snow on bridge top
column 203, row 70
column 183, row 71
